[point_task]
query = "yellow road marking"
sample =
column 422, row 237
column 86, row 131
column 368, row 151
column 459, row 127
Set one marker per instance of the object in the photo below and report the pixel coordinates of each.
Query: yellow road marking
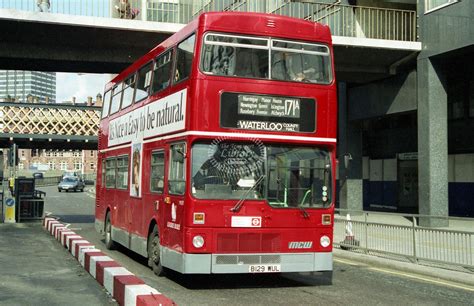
column 347, row 262
column 424, row 279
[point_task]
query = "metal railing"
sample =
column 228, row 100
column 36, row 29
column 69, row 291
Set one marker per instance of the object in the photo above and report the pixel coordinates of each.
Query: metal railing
column 47, row 181
column 89, row 179
column 93, row 8
column 30, row 208
column 400, row 237
column 344, row 20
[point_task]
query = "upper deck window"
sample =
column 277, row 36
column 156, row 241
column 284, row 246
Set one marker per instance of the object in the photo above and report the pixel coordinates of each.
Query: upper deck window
column 116, row 96
column 266, row 58
column 105, row 108
column 143, row 82
column 185, row 55
column 162, row 71
column 128, row 90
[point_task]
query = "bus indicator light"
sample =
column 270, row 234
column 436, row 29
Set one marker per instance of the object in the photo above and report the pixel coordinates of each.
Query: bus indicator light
column 326, row 219
column 199, row 218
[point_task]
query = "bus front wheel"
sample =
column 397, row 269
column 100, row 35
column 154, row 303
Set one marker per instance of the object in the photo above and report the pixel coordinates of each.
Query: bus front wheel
column 109, row 243
column 154, row 260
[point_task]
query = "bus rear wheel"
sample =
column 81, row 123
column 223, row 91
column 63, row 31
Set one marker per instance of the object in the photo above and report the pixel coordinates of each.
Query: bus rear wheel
column 109, row 243
column 154, row 260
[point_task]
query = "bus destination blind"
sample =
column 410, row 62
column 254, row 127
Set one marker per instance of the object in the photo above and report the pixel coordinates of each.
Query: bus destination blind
column 267, row 113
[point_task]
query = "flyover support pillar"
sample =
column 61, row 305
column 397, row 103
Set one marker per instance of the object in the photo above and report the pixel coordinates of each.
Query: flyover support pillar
column 432, row 144
column 350, row 147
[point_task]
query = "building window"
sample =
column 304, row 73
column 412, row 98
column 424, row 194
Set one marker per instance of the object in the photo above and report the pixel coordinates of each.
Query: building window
column 92, row 153
column 21, row 166
column 456, row 97
column 77, row 165
column 63, row 165
column 92, row 166
column 51, row 165
column 432, row 5
column 163, row 11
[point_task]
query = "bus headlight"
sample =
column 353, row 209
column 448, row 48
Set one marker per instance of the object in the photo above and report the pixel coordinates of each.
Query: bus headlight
column 198, row 241
column 325, row 241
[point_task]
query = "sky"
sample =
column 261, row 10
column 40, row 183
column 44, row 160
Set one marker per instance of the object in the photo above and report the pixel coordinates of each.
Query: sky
column 80, row 85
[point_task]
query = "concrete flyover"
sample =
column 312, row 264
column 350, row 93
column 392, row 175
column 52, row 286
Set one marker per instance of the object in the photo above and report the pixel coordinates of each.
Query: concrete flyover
column 59, row 42
column 62, row 43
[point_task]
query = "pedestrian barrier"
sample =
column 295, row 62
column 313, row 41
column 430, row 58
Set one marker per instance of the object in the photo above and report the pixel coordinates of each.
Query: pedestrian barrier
column 126, row 288
column 47, row 181
column 400, row 237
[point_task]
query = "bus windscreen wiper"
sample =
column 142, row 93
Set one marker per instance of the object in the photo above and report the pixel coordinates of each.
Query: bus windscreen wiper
column 240, row 202
column 304, row 212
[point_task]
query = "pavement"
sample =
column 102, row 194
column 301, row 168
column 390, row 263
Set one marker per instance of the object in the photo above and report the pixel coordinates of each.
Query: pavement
column 37, row 270
column 463, row 278
column 392, row 240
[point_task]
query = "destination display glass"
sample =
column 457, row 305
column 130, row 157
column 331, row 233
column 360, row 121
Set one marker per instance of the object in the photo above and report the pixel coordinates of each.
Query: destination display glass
column 267, row 113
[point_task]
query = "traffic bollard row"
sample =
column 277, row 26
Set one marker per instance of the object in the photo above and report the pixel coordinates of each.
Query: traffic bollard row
column 123, row 285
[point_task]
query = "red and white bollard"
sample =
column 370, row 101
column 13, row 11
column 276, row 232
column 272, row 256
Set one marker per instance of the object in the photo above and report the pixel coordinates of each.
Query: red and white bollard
column 349, row 239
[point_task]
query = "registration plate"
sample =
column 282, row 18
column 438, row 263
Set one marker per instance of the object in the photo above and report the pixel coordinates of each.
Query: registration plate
column 264, row 268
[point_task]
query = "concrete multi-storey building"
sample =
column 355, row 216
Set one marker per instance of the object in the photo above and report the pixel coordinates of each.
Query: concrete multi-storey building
column 27, row 86
column 410, row 133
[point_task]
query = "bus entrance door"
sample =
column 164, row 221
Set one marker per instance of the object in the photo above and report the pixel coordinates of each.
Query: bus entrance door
column 173, row 214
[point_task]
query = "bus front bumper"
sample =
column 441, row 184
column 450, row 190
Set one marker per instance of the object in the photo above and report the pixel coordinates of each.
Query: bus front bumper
column 242, row 263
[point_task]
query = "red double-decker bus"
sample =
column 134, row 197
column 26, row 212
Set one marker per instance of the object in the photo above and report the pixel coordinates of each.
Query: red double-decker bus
column 217, row 148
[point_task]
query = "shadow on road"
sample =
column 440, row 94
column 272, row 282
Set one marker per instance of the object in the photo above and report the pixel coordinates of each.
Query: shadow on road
column 232, row 281
column 76, row 218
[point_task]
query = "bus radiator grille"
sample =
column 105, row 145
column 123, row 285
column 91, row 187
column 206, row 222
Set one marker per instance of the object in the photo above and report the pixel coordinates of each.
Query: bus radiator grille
column 247, row 259
column 248, row 242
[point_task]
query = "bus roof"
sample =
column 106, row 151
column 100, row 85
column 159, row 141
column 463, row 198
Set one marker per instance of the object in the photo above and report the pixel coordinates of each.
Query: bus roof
column 237, row 23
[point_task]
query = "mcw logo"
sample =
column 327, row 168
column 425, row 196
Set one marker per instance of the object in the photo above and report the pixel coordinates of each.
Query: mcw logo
column 300, row 245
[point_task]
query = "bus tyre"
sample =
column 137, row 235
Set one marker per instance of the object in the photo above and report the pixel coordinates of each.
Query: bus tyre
column 109, row 243
column 154, row 260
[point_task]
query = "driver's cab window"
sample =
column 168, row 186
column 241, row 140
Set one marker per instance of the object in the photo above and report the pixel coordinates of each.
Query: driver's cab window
column 177, row 169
